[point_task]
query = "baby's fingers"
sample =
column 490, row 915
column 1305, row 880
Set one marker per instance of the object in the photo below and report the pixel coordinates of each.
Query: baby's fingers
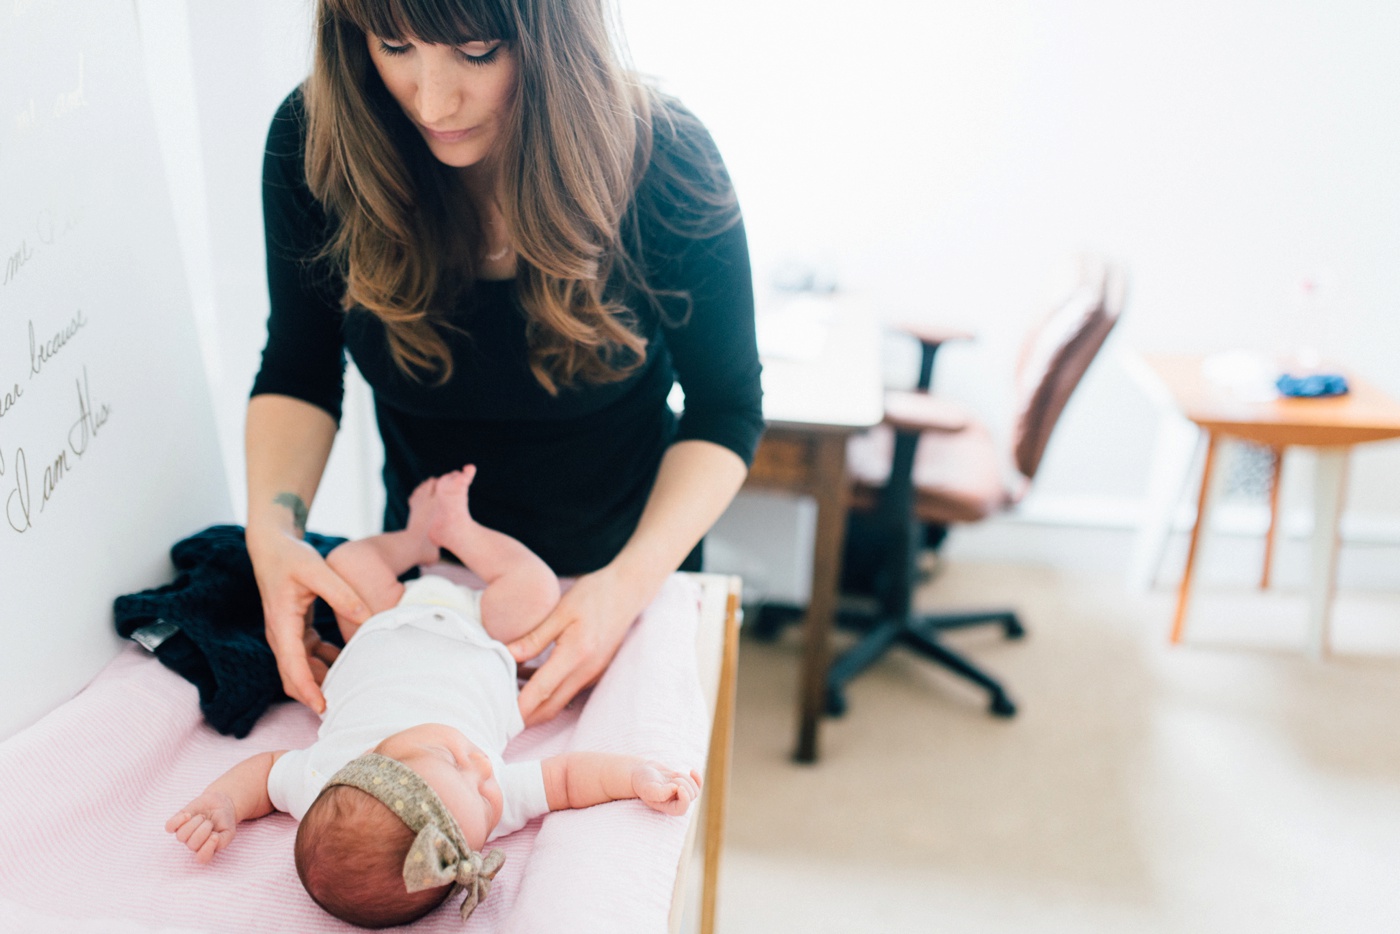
column 216, row 842
column 187, row 829
column 201, row 834
column 173, row 824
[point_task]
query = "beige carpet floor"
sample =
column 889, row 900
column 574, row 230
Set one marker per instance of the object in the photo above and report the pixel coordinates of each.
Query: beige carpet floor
column 1230, row 784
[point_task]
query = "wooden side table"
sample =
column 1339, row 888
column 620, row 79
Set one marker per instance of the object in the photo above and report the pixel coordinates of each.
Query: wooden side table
column 1331, row 427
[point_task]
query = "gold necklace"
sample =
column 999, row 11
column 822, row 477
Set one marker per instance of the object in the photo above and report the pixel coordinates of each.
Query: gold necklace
column 494, row 255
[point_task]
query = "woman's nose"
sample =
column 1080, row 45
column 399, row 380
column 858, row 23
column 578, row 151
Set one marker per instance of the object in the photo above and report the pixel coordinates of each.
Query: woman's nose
column 439, row 96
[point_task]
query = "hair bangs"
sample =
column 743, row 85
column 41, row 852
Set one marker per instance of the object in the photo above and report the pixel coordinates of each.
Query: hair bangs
column 442, row 22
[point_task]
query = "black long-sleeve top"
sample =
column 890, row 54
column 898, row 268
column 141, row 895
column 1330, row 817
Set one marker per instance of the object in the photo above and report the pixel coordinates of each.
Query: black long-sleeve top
column 568, row 475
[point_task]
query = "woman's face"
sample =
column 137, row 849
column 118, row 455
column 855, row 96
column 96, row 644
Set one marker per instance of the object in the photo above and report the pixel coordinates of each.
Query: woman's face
column 457, row 96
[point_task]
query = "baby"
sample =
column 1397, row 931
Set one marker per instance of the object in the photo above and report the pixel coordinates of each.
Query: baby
column 405, row 783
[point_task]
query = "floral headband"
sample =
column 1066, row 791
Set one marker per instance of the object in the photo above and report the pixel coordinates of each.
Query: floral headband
column 439, row 854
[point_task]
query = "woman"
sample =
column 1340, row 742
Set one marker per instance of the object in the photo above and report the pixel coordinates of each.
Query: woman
column 522, row 248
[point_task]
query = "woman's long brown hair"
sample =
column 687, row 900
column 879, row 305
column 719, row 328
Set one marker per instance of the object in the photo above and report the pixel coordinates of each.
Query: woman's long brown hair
column 575, row 149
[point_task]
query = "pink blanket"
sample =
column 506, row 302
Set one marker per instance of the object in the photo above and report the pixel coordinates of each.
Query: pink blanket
column 85, row 792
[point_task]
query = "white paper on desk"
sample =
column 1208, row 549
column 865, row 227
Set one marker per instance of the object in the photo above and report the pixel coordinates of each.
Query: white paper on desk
column 1245, row 375
column 795, row 330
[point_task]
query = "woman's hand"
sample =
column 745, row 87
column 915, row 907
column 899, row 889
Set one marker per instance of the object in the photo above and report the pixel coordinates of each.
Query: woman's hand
column 587, row 626
column 291, row 575
column 695, row 483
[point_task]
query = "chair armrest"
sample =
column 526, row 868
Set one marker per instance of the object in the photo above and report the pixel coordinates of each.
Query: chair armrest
column 930, row 339
column 919, row 411
column 932, row 335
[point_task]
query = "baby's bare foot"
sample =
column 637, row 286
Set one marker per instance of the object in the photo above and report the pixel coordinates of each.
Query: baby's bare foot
column 450, row 511
column 422, row 508
column 423, row 501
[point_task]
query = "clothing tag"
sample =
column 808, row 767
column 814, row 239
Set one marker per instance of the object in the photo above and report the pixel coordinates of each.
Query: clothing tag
column 150, row 637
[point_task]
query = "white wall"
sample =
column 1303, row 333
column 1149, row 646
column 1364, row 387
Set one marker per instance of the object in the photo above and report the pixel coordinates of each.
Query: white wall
column 944, row 158
column 217, row 71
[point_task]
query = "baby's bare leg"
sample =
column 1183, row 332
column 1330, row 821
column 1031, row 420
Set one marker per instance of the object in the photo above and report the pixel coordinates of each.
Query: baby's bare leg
column 520, row 587
column 372, row 565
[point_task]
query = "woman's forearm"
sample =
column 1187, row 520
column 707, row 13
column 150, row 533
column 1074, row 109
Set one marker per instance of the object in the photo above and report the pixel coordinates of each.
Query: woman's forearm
column 695, row 484
column 287, row 442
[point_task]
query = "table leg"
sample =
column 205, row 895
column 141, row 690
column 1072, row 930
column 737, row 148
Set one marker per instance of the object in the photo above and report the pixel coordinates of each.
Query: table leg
column 833, row 495
column 1329, row 497
column 1276, row 477
column 1202, row 521
column 1176, row 450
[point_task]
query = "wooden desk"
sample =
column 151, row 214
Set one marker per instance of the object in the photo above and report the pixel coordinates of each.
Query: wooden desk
column 1330, row 426
column 813, row 404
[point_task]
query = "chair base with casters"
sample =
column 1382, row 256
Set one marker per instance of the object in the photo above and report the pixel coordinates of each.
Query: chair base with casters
column 882, row 560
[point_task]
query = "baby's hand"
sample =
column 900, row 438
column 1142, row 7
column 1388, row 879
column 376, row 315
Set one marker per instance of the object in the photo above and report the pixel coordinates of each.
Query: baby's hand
column 205, row 825
column 664, row 790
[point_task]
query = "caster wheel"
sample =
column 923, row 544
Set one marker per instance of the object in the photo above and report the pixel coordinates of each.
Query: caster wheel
column 835, row 703
column 768, row 623
column 1002, row 706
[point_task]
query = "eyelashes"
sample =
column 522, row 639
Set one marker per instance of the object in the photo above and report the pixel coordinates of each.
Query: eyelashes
column 485, row 58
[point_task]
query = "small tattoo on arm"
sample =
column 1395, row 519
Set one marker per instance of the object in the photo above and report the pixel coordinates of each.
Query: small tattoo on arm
column 298, row 507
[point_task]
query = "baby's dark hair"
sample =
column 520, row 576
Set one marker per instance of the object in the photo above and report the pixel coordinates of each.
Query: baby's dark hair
column 350, row 851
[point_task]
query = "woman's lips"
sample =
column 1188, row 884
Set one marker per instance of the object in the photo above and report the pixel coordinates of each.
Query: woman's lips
column 448, row 136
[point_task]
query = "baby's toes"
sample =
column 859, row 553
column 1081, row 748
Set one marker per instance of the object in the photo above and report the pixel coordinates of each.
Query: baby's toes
column 451, row 489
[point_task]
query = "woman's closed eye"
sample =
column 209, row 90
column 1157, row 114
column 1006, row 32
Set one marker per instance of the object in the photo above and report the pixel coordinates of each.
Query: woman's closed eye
column 476, row 52
column 479, row 52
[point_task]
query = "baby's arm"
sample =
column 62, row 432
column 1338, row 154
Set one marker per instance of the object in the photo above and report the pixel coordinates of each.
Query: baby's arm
column 207, row 824
column 372, row 565
column 583, row 779
column 520, row 587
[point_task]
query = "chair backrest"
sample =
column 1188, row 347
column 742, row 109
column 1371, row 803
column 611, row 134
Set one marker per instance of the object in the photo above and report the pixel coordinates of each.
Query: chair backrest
column 1056, row 354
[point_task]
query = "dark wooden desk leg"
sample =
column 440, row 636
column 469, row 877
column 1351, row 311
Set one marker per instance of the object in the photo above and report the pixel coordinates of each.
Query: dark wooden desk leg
column 832, row 493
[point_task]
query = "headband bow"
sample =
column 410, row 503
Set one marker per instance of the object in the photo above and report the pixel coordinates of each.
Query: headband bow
column 439, row 854
column 433, row 860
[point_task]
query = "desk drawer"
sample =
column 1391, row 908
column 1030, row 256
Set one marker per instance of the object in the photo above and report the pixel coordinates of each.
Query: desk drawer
column 784, row 461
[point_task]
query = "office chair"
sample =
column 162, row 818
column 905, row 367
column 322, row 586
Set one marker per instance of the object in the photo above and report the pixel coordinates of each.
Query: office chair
column 932, row 464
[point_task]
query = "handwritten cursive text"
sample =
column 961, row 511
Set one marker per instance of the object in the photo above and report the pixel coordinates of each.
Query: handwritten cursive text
column 42, row 353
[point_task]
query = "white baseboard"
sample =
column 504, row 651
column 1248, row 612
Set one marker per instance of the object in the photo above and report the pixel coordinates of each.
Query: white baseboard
column 1098, row 534
column 767, row 539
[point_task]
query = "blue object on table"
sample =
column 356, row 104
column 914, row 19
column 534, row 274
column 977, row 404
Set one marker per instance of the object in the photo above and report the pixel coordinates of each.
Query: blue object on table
column 1312, row 386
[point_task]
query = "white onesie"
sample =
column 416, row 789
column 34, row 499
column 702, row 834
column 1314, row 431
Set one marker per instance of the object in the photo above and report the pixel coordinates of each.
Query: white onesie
column 428, row 660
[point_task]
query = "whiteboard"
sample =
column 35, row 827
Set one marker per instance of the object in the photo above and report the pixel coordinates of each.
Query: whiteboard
column 108, row 453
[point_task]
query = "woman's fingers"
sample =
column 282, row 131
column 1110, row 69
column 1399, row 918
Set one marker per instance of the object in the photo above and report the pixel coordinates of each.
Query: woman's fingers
column 285, row 637
column 328, row 585
column 538, row 689
column 554, row 693
column 286, row 628
column 534, row 641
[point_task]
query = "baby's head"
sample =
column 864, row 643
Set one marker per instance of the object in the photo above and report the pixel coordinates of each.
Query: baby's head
column 352, row 844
